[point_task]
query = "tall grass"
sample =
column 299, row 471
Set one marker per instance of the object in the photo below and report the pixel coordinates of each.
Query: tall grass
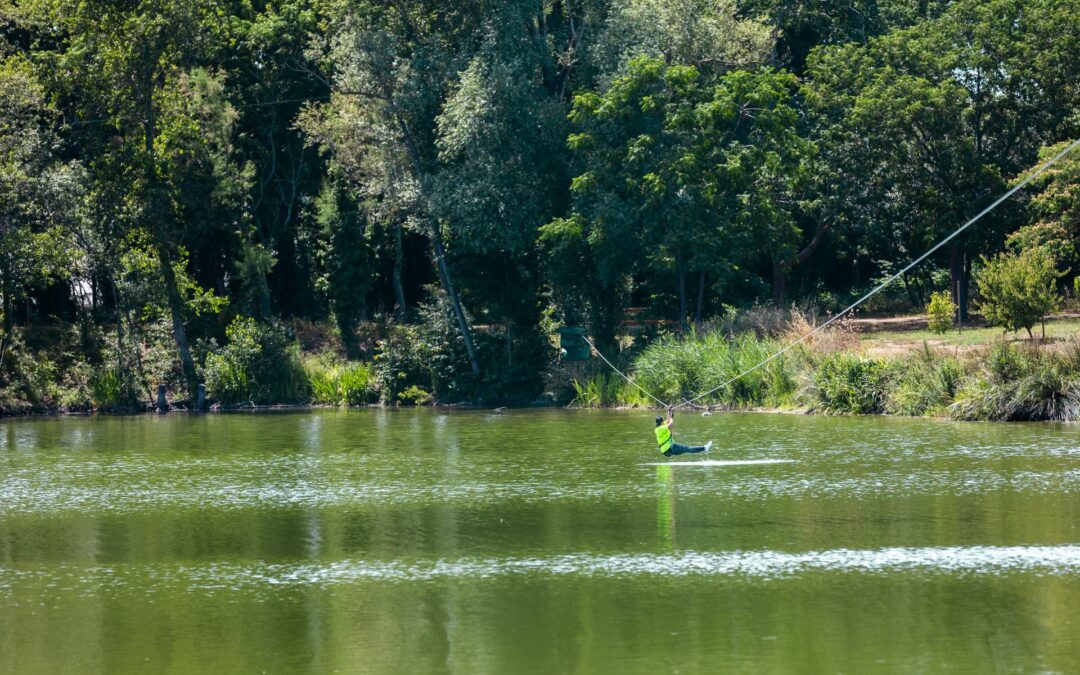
column 848, row 384
column 340, row 383
column 923, row 383
column 1019, row 384
column 677, row 370
column 608, row 389
column 1003, row 383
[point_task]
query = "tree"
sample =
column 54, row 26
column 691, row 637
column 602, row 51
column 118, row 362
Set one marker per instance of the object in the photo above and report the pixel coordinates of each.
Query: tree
column 683, row 174
column 1053, row 211
column 924, row 124
column 707, row 34
column 1018, row 289
column 37, row 190
column 940, row 312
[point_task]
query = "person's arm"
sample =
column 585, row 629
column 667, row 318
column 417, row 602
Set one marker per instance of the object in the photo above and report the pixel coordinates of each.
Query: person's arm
column 670, row 418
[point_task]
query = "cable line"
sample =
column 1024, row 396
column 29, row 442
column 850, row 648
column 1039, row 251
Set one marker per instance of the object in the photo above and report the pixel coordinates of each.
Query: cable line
column 642, row 389
column 1030, row 177
column 1034, row 174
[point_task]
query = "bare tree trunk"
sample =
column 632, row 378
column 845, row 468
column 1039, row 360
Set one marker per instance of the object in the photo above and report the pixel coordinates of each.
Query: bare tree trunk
column 682, row 299
column 781, row 266
column 399, row 257
column 779, row 283
column 448, row 286
column 700, row 301
column 5, row 288
column 264, row 297
column 958, row 280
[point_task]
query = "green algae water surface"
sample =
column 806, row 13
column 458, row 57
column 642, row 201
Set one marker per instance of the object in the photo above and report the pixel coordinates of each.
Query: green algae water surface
column 536, row 541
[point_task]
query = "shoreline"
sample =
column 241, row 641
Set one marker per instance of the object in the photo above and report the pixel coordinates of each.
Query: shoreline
column 308, row 407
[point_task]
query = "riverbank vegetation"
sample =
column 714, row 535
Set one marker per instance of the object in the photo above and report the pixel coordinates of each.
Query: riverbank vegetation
column 345, row 203
column 1001, row 381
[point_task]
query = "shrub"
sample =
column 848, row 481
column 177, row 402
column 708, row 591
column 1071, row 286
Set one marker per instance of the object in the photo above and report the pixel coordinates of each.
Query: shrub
column 402, row 360
column 107, row 389
column 940, row 312
column 259, row 363
column 607, row 389
column 1015, row 385
column 923, row 384
column 335, row 383
column 414, row 395
column 846, row 384
column 1017, row 289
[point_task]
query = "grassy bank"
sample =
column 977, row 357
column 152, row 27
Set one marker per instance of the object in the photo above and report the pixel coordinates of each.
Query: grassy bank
column 834, row 375
column 838, row 371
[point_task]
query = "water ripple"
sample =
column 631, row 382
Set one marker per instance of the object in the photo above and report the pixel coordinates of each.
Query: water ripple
column 1058, row 560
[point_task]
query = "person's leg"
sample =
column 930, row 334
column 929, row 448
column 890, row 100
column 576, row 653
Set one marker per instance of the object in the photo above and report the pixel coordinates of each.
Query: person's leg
column 680, row 449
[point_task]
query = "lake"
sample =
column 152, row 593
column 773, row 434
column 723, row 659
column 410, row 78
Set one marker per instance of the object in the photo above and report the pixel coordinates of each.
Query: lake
column 536, row 541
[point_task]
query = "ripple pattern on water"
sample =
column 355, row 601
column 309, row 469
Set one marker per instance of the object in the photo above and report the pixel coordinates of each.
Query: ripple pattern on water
column 307, row 482
column 738, row 565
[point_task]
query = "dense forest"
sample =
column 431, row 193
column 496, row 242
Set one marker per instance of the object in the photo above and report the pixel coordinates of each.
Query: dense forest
column 353, row 200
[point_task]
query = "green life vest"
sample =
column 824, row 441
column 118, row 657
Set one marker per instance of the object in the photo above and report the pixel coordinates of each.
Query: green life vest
column 663, row 437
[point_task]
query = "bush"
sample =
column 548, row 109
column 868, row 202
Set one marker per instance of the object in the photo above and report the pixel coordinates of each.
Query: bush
column 107, row 389
column 414, row 395
column 27, row 377
column 1017, row 385
column 334, row 383
column 1017, row 289
column 923, row 384
column 402, row 360
column 846, row 384
column 940, row 312
column 608, row 389
column 260, row 363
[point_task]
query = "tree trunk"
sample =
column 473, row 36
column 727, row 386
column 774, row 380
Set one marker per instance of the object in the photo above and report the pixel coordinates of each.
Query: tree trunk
column 957, row 280
column 448, row 286
column 264, row 296
column 604, row 317
column 176, row 306
column 161, row 245
column 399, row 290
column 121, row 369
column 779, row 283
column 5, row 288
column 781, row 266
column 700, row 300
column 682, row 300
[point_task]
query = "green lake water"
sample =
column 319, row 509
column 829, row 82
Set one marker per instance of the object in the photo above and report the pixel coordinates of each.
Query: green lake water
column 536, row 541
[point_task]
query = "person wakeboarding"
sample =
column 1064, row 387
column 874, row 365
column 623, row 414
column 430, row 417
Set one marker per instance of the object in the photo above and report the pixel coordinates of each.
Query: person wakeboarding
column 667, row 444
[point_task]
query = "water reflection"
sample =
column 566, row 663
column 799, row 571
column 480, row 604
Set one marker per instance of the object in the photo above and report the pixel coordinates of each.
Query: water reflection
column 535, row 541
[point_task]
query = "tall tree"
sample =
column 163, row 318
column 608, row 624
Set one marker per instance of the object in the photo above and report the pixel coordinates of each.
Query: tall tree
column 927, row 123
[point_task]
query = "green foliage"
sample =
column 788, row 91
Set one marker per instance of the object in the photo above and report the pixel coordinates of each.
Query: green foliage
column 848, row 384
column 923, row 384
column 605, row 390
column 260, row 363
column 1018, row 289
column 1022, row 384
column 159, row 186
column 940, row 312
column 27, row 380
column 414, row 395
column 107, row 389
column 340, row 383
column 402, row 361
column 676, row 370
